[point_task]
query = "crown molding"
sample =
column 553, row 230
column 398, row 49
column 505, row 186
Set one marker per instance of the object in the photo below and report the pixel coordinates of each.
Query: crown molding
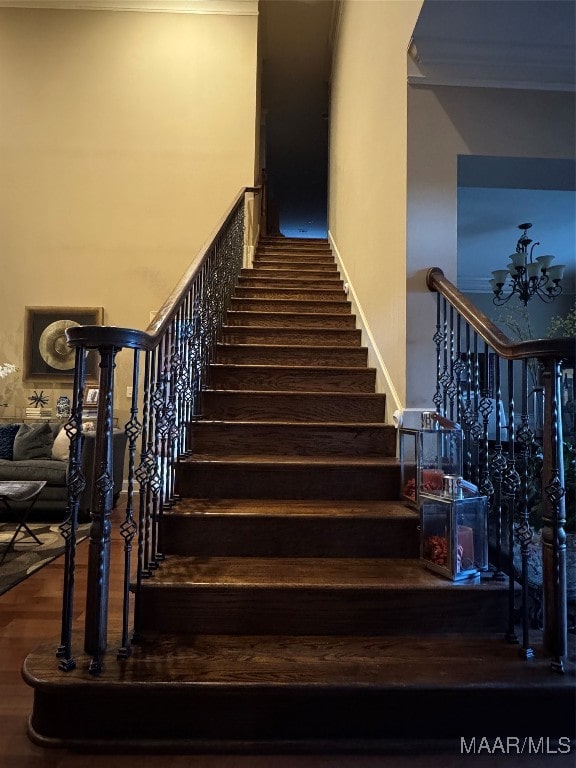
column 462, row 82
column 485, row 64
column 207, row 7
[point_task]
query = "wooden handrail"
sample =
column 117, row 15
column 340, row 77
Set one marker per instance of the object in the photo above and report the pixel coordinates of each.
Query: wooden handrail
column 560, row 348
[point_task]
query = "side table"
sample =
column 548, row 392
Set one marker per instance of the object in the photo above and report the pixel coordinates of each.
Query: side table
column 20, row 490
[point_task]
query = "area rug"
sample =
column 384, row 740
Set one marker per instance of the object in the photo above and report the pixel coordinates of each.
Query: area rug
column 28, row 556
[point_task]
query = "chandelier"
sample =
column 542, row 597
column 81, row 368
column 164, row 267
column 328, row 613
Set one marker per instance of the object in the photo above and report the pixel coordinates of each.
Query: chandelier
column 528, row 277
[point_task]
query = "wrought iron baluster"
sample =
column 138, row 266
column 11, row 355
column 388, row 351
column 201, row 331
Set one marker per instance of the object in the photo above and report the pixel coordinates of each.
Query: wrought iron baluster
column 445, row 375
column 467, row 410
column 452, row 388
column 459, row 369
column 128, row 528
column 437, row 338
column 68, row 529
column 497, row 467
column 96, row 625
column 485, row 408
column 143, row 475
column 510, row 488
column 525, row 438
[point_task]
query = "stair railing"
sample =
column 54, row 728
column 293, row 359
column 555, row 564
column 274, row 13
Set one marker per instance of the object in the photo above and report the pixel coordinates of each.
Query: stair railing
column 169, row 363
column 481, row 376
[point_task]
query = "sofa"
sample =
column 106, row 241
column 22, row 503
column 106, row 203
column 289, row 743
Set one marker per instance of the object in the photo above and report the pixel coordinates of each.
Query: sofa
column 40, row 451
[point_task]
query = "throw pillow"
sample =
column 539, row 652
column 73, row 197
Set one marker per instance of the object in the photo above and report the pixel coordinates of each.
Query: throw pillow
column 61, row 447
column 33, row 441
column 7, row 434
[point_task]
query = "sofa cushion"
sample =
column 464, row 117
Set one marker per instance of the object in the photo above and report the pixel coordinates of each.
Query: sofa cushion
column 54, row 472
column 61, row 446
column 7, row 434
column 33, row 441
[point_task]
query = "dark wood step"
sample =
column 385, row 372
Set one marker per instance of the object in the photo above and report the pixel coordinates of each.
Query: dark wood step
column 293, row 406
column 311, row 294
column 300, row 255
column 291, row 319
column 292, row 269
column 292, row 439
column 282, row 281
column 290, row 306
column 289, row 378
column 311, row 694
column 270, row 354
column 315, row 596
column 295, row 245
column 288, row 528
column 321, row 337
column 273, row 477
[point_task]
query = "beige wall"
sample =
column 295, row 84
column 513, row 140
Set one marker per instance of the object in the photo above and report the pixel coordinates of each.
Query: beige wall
column 367, row 189
column 123, row 137
column 444, row 122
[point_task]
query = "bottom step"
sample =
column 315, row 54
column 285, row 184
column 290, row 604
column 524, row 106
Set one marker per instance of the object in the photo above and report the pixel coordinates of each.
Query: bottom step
column 296, row 694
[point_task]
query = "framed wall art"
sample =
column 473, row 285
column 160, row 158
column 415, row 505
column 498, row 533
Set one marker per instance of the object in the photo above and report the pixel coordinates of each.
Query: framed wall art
column 46, row 351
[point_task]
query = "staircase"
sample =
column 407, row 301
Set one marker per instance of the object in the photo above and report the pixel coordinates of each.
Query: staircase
column 291, row 612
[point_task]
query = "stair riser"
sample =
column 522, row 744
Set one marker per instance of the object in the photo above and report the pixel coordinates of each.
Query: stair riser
column 282, row 720
column 284, row 319
column 280, row 305
column 239, row 609
column 300, row 407
column 283, row 281
column 290, row 269
column 271, row 355
column 227, row 535
column 300, row 248
column 319, row 295
column 327, row 337
column 291, row 379
column 301, row 257
column 258, row 481
column 237, row 439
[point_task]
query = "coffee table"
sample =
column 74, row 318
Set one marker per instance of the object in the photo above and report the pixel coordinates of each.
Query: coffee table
column 25, row 491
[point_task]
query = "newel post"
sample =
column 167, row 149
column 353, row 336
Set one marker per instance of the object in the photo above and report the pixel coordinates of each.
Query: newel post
column 96, row 624
column 553, row 520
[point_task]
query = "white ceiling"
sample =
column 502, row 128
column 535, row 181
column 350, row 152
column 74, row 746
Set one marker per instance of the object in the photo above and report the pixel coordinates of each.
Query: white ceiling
column 496, row 43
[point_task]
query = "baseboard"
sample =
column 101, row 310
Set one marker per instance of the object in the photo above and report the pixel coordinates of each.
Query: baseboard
column 384, row 383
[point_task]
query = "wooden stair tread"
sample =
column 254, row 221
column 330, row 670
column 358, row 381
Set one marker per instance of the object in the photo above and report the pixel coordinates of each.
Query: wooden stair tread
column 297, row 395
column 311, row 347
column 292, row 304
column 303, row 425
column 402, row 662
column 293, row 508
column 316, row 294
column 339, row 573
column 276, row 367
column 286, row 460
column 287, row 315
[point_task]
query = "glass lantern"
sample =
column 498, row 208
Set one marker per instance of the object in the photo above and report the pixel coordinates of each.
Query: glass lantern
column 426, row 455
column 454, row 530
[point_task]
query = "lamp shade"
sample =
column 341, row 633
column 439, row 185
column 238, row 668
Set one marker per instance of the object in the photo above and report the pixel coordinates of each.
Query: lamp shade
column 500, row 275
column 544, row 261
column 533, row 270
column 518, row 259
column 556, row 272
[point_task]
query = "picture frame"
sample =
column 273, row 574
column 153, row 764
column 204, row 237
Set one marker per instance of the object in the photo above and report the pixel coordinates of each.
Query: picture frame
column 91, row 395
column 47, row 355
